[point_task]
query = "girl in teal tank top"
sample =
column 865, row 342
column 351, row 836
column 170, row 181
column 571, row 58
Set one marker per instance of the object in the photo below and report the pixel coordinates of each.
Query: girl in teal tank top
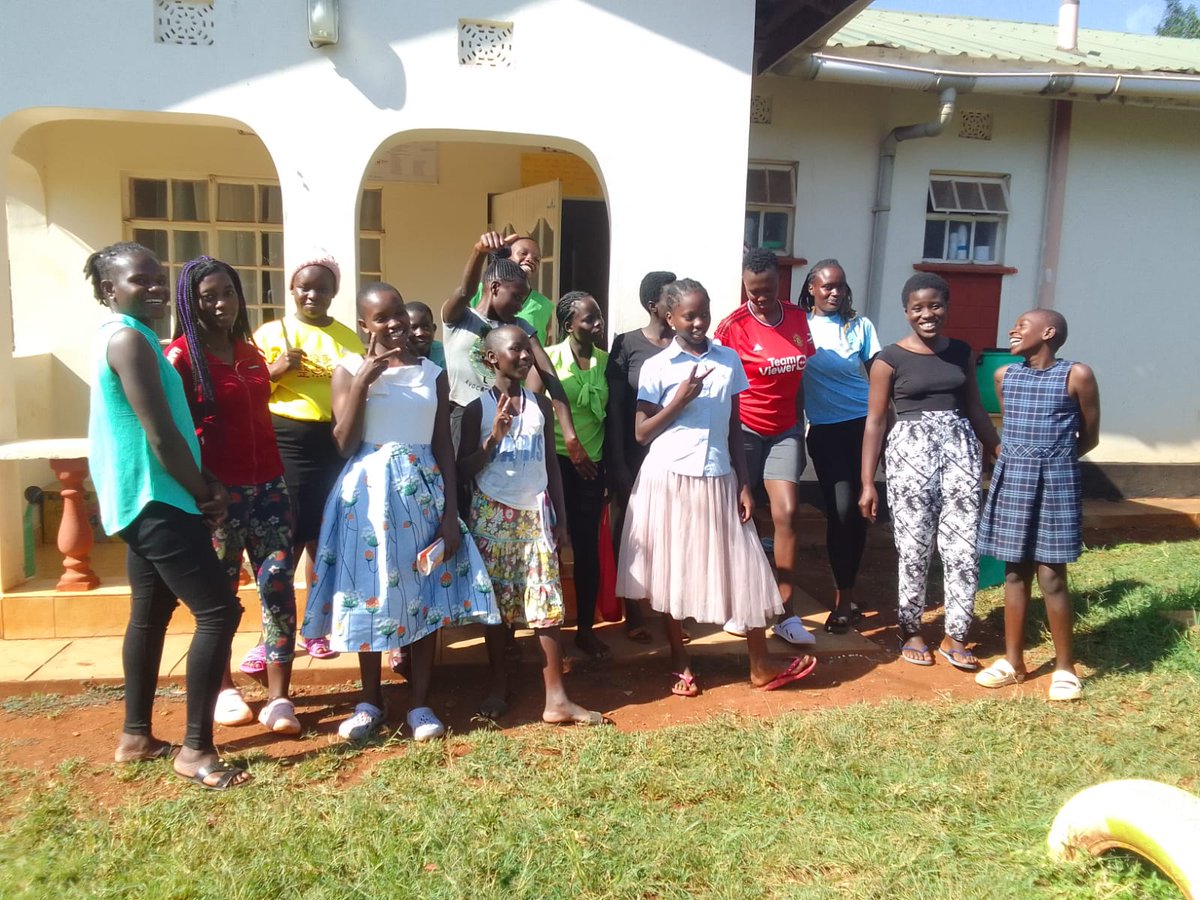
column 145, row 463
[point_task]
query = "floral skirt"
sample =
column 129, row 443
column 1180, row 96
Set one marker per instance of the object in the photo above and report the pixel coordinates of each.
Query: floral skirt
column 523, row 565
column 367, row 594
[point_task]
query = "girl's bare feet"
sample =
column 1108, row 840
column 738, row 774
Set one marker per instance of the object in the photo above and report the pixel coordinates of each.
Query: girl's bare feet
column 566, row 712
column 140, row 747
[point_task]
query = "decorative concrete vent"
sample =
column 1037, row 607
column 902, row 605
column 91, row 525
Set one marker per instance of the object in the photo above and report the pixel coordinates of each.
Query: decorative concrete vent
column 186, row 22
column 484, row 43
column 975, row 125
column 760, row 110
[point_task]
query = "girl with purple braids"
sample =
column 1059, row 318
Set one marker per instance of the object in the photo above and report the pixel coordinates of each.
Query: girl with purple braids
column 228, row 386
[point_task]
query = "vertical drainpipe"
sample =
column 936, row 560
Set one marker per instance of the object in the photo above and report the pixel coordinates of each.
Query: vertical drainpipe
column 1056, row 196
column 883, row 191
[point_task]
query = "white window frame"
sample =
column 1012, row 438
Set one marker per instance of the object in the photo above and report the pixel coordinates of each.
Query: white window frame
column 259, row 308
column 762, row 209
column 961, row 211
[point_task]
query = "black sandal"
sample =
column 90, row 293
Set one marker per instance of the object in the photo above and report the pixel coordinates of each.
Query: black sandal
column 837, row 623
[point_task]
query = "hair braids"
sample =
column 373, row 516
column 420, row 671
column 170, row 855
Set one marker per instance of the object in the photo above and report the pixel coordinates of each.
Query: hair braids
column 564, row 310
column 187, row 320
column 846, row 310
column 99, row 265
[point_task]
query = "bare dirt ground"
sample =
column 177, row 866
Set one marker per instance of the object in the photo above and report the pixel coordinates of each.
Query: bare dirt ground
column 41, row 733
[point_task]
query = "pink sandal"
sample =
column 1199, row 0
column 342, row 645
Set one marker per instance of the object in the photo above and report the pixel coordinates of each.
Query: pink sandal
column 318, row 648
column 255, row 661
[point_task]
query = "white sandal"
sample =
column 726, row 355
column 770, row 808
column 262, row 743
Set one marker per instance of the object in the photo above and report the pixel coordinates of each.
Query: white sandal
column 231, row 709
column 1065, row 686
column 999, row 674
column 366, row 719
column 279, row 716
column 425, row 726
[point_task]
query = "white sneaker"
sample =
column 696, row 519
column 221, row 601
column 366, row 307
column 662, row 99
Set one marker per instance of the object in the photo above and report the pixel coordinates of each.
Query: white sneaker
column 424, row 724
column 793, row 631
column 366, row 719
column 231, row 709
column 279, row 716
column 737, row 629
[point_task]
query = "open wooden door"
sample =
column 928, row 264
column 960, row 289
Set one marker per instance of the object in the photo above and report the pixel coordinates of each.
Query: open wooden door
column 537, row 212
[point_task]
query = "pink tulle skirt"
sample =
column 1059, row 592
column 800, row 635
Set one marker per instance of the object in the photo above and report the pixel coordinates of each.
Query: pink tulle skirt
column 684, row 549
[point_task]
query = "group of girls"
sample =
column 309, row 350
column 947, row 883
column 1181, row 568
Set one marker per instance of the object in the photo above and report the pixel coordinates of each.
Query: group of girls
column 300, row 438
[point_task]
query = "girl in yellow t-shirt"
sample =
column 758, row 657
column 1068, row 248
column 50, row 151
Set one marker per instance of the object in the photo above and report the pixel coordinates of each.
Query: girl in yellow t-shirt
column 301, row 351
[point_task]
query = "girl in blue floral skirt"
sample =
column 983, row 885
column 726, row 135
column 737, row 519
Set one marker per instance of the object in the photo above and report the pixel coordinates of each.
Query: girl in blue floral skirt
column 395, row 497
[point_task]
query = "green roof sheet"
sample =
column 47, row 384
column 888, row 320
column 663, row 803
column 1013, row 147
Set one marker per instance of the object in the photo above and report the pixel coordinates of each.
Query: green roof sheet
column 965, row 38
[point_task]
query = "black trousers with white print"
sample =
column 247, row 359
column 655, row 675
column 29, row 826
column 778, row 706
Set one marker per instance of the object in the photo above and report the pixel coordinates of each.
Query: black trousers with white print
column 933, row 474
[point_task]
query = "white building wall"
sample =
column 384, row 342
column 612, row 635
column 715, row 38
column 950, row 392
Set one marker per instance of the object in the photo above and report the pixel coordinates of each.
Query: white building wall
column 653, row 95
column 1130, row 276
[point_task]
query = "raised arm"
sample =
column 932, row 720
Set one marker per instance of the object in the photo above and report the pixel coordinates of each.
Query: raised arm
column 455, row 306
column 1081, row 384
column 878, row 402
column 134, row 361
column 651, row 419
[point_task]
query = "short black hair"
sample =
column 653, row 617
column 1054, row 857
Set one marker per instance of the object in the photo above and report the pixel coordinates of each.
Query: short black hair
column 501, row 269
column 374, row 287
column 564, row 310
column 1059, row 322
column 99, row 265
column 493, row 337
column 758, row 260
column 652, row 287
column 413, row 306
column 677, row 290
column 924, row 281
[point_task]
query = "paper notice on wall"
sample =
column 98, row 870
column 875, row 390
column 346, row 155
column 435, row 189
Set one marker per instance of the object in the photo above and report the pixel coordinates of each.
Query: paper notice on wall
column 413, row 162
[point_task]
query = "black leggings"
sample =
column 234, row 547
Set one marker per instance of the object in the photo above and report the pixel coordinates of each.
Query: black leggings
column 585, row 505
column 836, row 454
column 171, row 558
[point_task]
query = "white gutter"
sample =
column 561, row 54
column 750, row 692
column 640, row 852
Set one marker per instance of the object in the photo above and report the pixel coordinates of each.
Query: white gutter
column 1104, row 85
column 881, row 212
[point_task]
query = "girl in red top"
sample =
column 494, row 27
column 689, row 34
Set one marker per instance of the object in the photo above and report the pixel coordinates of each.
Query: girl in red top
column 773, row 342
column 228, row 386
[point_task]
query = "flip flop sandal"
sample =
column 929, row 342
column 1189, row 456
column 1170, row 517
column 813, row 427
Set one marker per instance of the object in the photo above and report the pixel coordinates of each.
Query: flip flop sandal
column 691, row 688
column 318, row 648
column 924, row 648
column 231, row 709
column 999, row 674
column 639, row 635
column 796, row 670
column 255, row 660
column 956, row 658
column 279, row 716
column 592, row 719
column 837, row 623
column 227, row 775
column 162, row 751
column 1065, row 686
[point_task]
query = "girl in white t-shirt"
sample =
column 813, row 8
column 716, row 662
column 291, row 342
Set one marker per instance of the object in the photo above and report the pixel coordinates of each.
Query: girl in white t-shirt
column 688, row 543
column 506, row 447
column 394, row 498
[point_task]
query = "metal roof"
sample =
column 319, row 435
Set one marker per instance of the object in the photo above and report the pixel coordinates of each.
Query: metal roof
column 877, row 33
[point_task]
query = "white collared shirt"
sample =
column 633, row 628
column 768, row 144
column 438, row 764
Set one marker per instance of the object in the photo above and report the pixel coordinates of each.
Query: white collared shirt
column 697, row 442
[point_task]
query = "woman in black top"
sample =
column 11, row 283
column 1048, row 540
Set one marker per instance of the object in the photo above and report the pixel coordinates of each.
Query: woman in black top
column 933, row 466
column 629, row 351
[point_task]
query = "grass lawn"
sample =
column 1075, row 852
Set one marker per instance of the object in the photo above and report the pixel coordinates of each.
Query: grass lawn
column 927, row 800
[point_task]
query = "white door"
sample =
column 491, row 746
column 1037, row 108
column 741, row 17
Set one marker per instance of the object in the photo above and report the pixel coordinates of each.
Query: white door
column 535, row 211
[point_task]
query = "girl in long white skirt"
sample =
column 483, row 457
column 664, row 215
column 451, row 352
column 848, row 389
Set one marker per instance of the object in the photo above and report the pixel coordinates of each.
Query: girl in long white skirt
column 688, row 544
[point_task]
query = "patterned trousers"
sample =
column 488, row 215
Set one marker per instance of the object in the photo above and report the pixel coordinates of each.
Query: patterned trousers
column 260, row 523
column 933, row 476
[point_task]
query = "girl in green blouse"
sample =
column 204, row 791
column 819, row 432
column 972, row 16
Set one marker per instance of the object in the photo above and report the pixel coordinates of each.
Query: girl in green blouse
column 580, row 365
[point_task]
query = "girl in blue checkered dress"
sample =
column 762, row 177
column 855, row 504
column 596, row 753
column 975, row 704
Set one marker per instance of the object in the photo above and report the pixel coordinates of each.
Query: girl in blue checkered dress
column 1032, row 519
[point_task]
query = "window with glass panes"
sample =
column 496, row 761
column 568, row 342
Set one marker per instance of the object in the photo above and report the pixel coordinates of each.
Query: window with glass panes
column 965, row 217
column 239, row 222
column 770, row 206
